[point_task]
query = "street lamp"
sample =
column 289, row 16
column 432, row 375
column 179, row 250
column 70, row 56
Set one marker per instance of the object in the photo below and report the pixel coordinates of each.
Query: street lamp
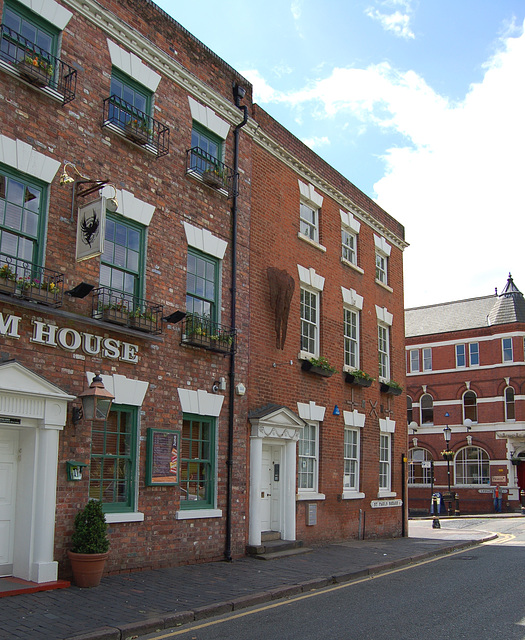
column 447, row 434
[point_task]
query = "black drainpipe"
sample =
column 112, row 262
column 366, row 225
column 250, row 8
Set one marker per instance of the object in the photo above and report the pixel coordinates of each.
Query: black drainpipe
column 238, row 94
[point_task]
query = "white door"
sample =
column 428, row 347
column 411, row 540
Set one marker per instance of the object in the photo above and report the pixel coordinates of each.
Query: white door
column 271, row 488
column 8, row 470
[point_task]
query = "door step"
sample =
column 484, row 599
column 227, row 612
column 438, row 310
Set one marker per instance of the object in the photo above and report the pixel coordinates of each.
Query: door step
column 276, row 548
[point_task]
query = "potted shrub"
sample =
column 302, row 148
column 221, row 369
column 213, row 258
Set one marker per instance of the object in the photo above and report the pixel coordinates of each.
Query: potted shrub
column 7, row 279
column 89, row 545
column 359, row 378
column 320, row 366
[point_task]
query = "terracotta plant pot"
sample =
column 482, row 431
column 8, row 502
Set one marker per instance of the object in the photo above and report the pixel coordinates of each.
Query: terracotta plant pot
column 87, row 568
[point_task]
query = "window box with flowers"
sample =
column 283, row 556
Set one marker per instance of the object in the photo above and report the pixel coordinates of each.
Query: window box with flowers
column 43, row 291
column 391, row 388
column 35, row 69
column 7, row 280
column 116, row 312
column 213, row 177
column 359, row 378
column 320, row 366
column 138, row 131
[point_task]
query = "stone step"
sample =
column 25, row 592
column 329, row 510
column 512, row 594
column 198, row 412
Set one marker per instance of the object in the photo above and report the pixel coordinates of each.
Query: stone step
column 266, row 536
column 279, row 546
column 282, row 554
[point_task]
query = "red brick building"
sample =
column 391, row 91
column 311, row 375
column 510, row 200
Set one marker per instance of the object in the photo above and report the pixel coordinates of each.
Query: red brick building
column 465, row 376
column 132, row 166
column 326, row 288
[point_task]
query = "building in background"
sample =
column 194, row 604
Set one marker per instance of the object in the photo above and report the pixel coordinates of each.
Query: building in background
column 465, row 377
column 132, row 168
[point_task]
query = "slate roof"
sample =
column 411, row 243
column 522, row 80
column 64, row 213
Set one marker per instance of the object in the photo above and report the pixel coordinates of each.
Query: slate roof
column 474, row 313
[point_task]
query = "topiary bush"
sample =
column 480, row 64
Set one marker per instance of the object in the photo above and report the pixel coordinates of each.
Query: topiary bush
column 90, row 534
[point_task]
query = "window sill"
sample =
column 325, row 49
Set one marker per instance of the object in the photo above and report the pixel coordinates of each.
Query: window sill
column 122, row 134
column 195, row 514
column 195, row 175
column 133, row 516
column 310, row 495
column 48, row 91
column 382, row 493
column 311, row 242
column 352, row 266
column 353, row 495
column 385, row 286
column 304, row 355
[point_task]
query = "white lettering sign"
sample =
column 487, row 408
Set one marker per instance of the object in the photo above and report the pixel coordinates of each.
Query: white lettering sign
column 378, row 504
column 50, row 335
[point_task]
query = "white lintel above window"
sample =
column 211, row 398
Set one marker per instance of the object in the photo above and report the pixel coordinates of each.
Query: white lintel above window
column 352, row 299
column 384, row 316
column 205, row 241
column 21, row 156
column 133, row 66
column 200, row 402
column 310, row 195
column 382, row 245
column 311, row 411
column 126, row 390
column 349, row 221
column 50, row 10
column 309, row 278
column 208, row 118
column 386, row 425
column 131, row 207
column 354, row 419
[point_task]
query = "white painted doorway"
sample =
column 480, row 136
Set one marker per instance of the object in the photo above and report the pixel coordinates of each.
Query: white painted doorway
column 271, row 505
column 8, row 474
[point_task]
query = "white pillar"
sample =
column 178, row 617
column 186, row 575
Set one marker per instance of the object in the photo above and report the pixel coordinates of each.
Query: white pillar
column 289, row 490
column 254, row 525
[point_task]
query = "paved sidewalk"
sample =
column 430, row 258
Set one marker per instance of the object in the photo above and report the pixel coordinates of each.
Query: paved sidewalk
column 130, row 605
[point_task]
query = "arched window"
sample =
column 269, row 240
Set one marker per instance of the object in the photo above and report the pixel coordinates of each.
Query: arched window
column 410, row 413
column 472, row 466
column 510, row 413
column 419, row 473
column 427, row 409
column 470, row 406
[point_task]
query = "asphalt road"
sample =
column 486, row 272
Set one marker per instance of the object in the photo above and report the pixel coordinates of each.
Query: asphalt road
column 476, row 594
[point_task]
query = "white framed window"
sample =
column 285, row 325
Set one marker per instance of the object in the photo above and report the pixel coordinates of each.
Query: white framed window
column 426, row 404
column 312, row 285
column 414, row 360
column 383, row 250
column 349, row 246
column 473, row 353
column 427, row 359
column 310, row 322
column 506, row 345
column 510, row 407
column 472, row 466
column 309, row 217
column 470, row 406
column 385, row 454
column 351, row 337
column 461, row 359
column 308, row 472
column 383, row 346
column 351, row 460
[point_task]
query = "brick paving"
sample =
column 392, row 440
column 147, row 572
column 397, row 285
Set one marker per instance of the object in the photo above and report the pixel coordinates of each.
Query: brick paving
column 138, row 603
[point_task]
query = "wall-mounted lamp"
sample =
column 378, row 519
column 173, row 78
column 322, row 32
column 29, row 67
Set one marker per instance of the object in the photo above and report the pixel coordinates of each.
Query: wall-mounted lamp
column 96, row 401
column 84, row 186
column 467, row 423
column 413, row 426
column 219, row 385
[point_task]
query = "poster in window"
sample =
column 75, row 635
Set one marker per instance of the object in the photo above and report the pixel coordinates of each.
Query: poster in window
column 91, row 224
column 162, row 457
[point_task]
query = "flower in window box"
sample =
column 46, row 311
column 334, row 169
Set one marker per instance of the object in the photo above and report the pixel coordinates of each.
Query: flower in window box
column 7, row 279
column 359, row 378
column 137, row 130
column 214, row 177
column 143, row 320
column 116, row 312
column 391, row 388
column 35, row 69
column 320, row 366
column 43, row 291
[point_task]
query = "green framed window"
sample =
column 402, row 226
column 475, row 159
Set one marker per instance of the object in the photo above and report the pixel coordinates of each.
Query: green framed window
column 197, row 462
column 113, row 459
column 22, row 216
column 130, row 104
column 122, row 263
column 32, row 29
column 206, row 141
column 202, row 285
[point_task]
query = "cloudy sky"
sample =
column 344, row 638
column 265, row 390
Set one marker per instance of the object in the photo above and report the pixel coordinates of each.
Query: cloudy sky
column 420, row 103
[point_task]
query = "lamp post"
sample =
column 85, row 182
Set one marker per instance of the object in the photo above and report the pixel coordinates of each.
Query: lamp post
column 447, row 434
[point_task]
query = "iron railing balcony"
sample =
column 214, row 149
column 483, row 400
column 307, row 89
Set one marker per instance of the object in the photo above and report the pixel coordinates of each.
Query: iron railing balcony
column 37, row 66
column 200, row 331
column 29, row 281
column 137, row 126
column 210, row 170
column 127, row 310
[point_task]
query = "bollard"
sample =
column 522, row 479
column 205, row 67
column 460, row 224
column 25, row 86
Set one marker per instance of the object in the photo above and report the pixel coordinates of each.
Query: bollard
column 522, row 497
column 456, row 510
column 435, row 521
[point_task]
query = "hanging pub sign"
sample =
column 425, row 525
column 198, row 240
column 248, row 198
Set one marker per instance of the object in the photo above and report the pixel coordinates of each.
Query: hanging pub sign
column 91, row 225
column 162, row 465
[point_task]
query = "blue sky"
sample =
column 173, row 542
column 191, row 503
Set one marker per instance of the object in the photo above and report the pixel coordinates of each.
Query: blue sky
column 420, row 103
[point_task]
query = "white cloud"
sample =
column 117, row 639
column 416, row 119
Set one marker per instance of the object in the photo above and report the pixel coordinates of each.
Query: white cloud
column 457, row 184
column 316, row 142
column 397, row 22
